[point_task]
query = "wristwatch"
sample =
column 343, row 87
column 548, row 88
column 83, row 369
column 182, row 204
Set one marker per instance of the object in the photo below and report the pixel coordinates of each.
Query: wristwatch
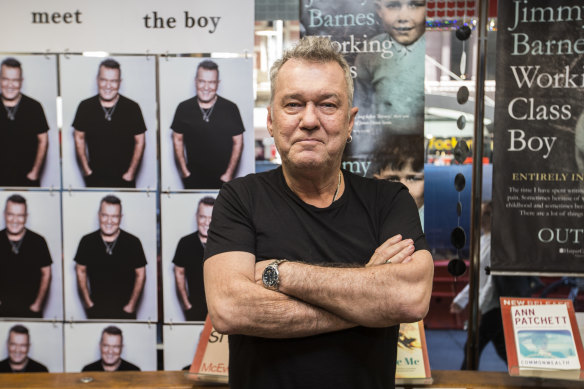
column 271, row 275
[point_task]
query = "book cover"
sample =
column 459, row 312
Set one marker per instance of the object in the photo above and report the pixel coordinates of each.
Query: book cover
column 412, row 364
column 211, row 361
column 542, row 338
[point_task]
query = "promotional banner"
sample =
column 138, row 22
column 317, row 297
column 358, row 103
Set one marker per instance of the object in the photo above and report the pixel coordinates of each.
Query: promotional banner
column 538, row 173
column 147, row 26
column 384, row 43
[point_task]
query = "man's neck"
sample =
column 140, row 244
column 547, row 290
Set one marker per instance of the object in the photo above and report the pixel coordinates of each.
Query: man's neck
column 109, row 238
column 12, row 102
column 207, row 104
column 15, row 237
column 18, row 366
column 109, row 103
column 113, row 367
column 202, row 238
column 319, row 190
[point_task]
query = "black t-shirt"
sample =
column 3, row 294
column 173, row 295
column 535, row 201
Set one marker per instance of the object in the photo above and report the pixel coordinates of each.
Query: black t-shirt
column 20, row 274
column 110, row 144
column 32, row 366
column 111, row 277
column 189, row 254
column 259, row 214
column 19, row 141
column 124, row 366
column 208, row 144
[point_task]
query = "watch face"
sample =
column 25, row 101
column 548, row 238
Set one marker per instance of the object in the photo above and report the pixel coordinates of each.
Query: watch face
column 270, row 276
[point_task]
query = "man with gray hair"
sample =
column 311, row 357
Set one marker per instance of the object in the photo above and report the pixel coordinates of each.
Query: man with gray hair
column 110, row 348
column 207, row 133
column 188, row 264
column 109, row 133
column 110, row 266
column 25, row 264
column 308, row 268
column 23, row 130
column 18, row 361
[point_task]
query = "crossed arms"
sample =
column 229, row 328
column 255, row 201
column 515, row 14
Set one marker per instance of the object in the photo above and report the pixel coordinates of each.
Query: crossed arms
column 317, row 299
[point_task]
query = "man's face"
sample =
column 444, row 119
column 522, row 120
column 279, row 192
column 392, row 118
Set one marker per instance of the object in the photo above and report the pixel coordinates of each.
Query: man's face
column 407, row 176
column 108, row 83
column 111, row 349
column 309, row 116
column 10, row 82
column 18, row 347
column 206, row 83
column 204, row 219
column 110, row 216
column 404, row 20
column 15, row 217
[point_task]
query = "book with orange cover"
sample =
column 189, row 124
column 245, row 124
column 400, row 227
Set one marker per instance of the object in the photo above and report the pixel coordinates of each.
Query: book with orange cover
column 412, row 364
column 211, row 361
column 542, row 338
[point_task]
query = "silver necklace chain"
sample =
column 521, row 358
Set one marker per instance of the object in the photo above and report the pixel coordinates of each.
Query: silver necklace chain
column 207, row 112
column 11, row 111
column 16, row 244
column 109, row 111
column 337, row 190
column 109, row 246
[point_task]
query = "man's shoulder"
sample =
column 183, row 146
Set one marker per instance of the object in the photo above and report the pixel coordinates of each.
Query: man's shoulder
column 188, row 103
column 125, row 235
column 5, row 366
column 92, row 236
column 223, row 101
column 94, row 366
column 373, row 186
column 24, row 99
column 34, row 236
column 127, row 366
column 93, row 100
column 123, row 100
column 192, row 237
column 34, row 366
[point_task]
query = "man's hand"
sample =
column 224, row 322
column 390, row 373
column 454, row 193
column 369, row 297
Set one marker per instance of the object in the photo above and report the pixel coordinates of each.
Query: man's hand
column 87, row 172
column 129, row 308
column 35, row 307
column 128, row 176
column 186, row 173
column 394, row 250
column 226, row 177
column 33, row 176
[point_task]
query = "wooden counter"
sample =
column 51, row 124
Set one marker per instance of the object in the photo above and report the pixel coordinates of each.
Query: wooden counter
column 175, row 379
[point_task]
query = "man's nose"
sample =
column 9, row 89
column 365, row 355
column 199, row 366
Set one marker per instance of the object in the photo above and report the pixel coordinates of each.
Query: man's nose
column 309, row 117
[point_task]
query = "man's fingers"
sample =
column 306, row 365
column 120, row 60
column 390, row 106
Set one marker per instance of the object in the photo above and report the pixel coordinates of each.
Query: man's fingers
column 393, row 249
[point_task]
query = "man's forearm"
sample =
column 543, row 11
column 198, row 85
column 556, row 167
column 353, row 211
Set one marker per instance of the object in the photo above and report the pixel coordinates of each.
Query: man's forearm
column 375, row 296
column 179, row 153
column 139, row 282
column 139, row 145
column 235, row 156
column 239, row 305
column 81, row 152
column 43, row 145
column 43, row 288
column 82, row 285
column 179, row 275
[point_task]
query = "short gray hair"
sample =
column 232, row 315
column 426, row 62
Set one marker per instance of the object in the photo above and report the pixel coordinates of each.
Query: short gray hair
column 313, row 49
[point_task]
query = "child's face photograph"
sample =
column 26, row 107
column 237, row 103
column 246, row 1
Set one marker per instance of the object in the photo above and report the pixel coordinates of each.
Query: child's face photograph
column 403, row 20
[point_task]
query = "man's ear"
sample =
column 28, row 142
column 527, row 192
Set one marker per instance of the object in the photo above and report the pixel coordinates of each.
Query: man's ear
column 269, row 121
